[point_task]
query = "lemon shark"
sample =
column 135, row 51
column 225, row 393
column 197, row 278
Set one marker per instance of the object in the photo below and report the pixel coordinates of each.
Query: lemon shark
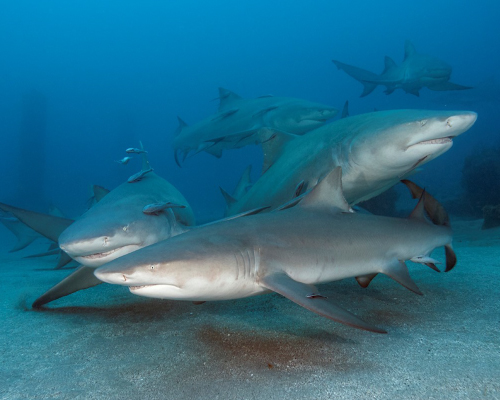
column 114, row 226
column 375, row 150
column 288, row 252
column 240, row 122
column 415, row 72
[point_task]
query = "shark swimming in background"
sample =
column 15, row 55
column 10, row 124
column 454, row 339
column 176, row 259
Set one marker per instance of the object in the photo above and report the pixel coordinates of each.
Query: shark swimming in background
column 240, row 122
column 287, row 251
column 415, row 72
column 375, row 150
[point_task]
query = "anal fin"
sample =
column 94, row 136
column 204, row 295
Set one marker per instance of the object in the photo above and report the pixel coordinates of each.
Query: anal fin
column 398, row 271
column 300, row 293
column 364, row 280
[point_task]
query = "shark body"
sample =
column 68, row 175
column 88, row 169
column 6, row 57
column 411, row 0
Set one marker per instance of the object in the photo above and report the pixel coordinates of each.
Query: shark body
column 240, row 122
column 415, row 72
column 375, row 151
column 287, row 251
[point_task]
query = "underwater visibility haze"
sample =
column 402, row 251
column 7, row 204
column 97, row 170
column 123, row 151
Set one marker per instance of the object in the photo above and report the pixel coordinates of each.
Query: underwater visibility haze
column 207, row 151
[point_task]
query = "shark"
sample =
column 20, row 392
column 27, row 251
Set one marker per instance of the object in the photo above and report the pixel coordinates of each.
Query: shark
column 375, row 150
column 240, row 122
column 415, row 72
column 114, row 226
column 288, row 251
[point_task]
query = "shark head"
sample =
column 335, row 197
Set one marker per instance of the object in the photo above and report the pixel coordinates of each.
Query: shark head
column 428, row 69
column 99, row 237
column 411, row 139
column 117, row 225
column 186, row 267
column 299, row 116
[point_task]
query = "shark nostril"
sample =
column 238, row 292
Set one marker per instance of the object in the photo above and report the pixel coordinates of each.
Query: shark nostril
column 124, row 278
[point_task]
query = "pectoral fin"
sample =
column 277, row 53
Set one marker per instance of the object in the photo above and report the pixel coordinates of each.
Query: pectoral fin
column 82, row 278
column 300, row 293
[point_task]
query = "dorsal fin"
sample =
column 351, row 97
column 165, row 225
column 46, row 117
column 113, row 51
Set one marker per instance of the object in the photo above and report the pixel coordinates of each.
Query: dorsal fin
column 327, row 195
column 181, row 126
column 229, row 199
column 227, row 98
column 419, row 210
column 388, row 64
column 345, row 110
column 99, row 192
column 243, row 184
column 46, row 225
column 409, row 49
column 273, row 146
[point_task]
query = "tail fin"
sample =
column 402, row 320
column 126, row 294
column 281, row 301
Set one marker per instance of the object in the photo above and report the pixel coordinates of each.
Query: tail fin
column 366, row 78
column 438, row 216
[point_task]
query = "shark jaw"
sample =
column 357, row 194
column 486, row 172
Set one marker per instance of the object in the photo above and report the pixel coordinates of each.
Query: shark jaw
column 96, row 252
column 98, row 259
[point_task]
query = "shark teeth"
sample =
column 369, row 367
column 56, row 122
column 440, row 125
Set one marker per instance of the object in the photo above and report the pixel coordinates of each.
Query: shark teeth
column 99, row 255
column 131, row 288
column 444, row 140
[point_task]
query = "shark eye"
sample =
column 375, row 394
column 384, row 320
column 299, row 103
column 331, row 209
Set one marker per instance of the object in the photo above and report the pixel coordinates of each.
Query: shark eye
column 125, row 228
column 448, row 123
column 423, row 122
column 152, row 266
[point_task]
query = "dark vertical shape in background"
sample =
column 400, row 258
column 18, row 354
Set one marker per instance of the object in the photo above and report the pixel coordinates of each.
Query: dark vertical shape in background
column 31, row 167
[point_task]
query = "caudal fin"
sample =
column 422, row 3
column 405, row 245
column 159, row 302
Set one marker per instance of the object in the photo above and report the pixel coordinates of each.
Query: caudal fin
column 366, row 78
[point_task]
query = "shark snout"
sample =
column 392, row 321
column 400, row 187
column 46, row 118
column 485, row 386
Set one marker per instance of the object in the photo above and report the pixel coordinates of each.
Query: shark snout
column 111, row 276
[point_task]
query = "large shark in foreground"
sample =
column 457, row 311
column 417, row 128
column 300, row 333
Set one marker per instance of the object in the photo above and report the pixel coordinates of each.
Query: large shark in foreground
column 375, row 151
column 287, row 251
column 240, row 122
column 415, row 72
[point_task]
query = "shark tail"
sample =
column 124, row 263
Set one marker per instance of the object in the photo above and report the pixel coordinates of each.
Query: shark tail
column 437, row 215
column 21, row 231
column 366, row 78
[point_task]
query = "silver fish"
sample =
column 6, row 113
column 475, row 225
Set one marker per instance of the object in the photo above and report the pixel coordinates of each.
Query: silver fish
column 157, row 208
column 124, row 160
column 135, row 150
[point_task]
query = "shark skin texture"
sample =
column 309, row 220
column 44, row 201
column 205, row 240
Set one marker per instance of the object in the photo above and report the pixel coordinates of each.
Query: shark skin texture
column 375, row 150
column 414, row 73
column 287, row 251
column 240, row 122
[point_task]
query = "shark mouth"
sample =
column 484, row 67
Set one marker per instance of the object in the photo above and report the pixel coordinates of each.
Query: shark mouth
column 132, row 288
column 443, row 140
column 97, row 256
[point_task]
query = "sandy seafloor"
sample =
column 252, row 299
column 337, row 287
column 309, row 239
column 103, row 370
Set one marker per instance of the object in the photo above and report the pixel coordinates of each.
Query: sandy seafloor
column 105, row 343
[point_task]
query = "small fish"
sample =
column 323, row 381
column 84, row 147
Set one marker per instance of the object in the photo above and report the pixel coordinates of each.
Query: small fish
column 316, row 296
column 124, row 160
column 135, row 150
column 157, row 208
column 137, row 177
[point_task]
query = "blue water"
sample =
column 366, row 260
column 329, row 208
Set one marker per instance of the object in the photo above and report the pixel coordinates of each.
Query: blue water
column 112, row 73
